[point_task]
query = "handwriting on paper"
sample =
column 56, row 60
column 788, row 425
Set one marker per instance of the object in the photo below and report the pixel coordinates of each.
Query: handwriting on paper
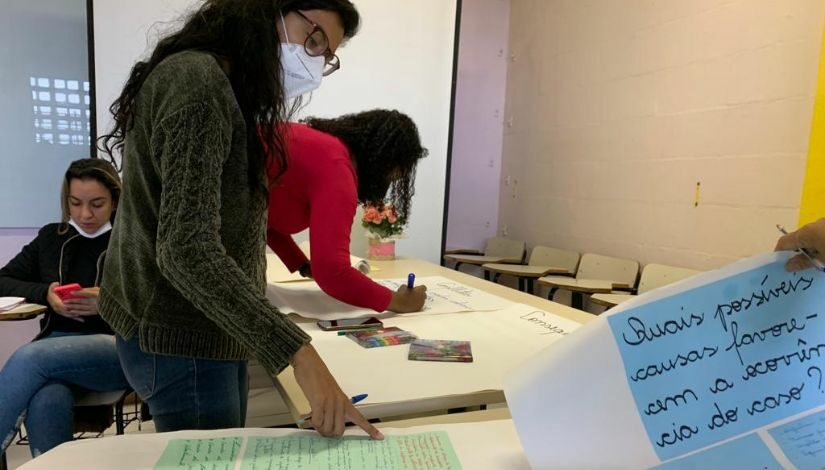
column 549, row 323
column 747, row 452
column 803, row 440
column 311, row 452
column 197, row 454
column 719, row 360
column 444, row 295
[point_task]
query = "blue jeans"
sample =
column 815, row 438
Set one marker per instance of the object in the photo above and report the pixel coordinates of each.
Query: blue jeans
column 184, row 392
column 37, row 384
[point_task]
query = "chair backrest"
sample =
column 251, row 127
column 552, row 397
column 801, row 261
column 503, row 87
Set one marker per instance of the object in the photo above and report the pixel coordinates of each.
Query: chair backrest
column 607, row 268
column 505, row 248
column 546, row 256
column 658, row 275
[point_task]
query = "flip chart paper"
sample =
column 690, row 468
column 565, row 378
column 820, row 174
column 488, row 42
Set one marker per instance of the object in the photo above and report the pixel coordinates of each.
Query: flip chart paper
column 676, row 370
column 499, row 340
column 309, row 451
column 312, row 452
column 200, row 454
column 746, row 452
column 712, row 363
column 443, row 296
column 803, row 441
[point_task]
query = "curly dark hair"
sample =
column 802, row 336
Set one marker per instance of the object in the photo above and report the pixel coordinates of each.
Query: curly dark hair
column 244, row 34
column 385, row 147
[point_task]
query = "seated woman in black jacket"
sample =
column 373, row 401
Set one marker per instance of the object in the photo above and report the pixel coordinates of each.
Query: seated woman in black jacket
column 75, row 348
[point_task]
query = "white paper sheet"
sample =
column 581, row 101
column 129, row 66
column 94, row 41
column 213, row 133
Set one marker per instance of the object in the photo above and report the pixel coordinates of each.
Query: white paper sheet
column 574, row 396
column 9, row 303
column 499, row 339
column 443, row 296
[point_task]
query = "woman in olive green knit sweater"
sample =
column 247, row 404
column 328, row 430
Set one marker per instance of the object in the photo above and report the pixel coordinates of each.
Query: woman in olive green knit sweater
column 184, row 279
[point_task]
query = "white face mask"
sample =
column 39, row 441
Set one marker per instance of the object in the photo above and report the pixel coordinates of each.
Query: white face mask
column 103, row 229
column 302, row 72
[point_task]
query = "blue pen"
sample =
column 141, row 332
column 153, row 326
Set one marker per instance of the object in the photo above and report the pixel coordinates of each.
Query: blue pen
column 410, row 281
column 354, row 400
column 817, row 264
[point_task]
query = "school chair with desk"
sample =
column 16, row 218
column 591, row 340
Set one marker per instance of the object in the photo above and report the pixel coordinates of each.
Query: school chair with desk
column 597, row 274
column 653, row 277
column 496, row 250
column 543, row 261
column 94, row 411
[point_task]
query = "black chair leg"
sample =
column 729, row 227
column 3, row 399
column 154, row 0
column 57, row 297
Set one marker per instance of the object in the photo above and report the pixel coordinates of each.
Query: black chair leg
column 3, row 464
column 552, row 293
column 119, row 418
column 458, row 266
column 531, row 286
column 521, row 284
column 578, row 300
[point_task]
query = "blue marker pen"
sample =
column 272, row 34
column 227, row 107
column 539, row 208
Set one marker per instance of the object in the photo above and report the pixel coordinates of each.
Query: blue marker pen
column 354, row 400
column 359, row 398
column 410, row 281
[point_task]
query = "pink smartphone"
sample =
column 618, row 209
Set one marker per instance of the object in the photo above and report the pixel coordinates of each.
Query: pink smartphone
column 65, row 292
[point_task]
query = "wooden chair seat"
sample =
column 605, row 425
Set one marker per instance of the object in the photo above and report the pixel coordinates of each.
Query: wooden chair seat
column 521, row 270
column 479, row 260
column 610, row 300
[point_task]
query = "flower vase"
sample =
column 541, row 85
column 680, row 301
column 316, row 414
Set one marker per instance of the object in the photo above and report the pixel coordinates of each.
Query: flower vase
column 381, row 250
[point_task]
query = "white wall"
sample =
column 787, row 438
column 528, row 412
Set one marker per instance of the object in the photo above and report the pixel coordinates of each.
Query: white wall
column 402, row 58
column 479, row 116
column 618, row 109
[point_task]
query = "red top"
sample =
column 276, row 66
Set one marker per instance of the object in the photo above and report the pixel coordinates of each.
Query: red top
column 320, row 190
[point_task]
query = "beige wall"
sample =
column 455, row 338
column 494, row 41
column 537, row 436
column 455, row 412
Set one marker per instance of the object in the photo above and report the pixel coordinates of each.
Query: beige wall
column 617, row 108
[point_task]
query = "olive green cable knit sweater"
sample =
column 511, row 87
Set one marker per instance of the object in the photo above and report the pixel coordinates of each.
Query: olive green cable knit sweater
column 186, row 265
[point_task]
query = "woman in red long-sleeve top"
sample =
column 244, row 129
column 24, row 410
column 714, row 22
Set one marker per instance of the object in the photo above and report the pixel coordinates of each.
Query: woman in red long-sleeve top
column 333, row 165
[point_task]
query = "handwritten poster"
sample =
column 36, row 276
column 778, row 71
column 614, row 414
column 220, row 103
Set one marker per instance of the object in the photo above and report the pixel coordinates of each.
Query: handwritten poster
column 200, row 454
column 803, row 441
column 748, row 452
column 443, row 296
column 717, row 361
column 311, row 452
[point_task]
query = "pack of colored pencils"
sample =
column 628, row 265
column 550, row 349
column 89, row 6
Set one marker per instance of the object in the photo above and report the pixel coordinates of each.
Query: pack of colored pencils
column 382, row 337
column 440, row 350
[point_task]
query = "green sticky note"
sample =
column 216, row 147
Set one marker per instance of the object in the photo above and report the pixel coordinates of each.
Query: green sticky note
column 431, row 450
column 200, row 454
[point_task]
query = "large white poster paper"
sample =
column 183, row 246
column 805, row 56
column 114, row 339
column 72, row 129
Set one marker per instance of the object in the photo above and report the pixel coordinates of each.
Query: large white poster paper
column 688, row 366
column 443, row 296
column 499, row 339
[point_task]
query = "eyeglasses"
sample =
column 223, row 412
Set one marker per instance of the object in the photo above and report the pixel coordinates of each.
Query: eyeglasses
column 317, row 45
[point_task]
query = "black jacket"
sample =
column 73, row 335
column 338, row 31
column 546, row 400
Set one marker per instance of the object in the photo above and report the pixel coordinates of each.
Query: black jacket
column 64, row 257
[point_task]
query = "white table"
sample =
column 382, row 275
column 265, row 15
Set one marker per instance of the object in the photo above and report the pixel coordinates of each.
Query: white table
column 478, row 445
column 359, row 374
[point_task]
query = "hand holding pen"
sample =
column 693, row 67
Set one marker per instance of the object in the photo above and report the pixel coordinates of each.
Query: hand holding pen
column 409, row 297
column 809, row 242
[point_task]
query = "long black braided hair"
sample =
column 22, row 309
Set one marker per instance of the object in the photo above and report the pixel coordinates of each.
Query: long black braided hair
column 385, row 147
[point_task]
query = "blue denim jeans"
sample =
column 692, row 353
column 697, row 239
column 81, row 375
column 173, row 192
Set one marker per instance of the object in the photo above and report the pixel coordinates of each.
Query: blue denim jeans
column 184, row 392
column 38, row 380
